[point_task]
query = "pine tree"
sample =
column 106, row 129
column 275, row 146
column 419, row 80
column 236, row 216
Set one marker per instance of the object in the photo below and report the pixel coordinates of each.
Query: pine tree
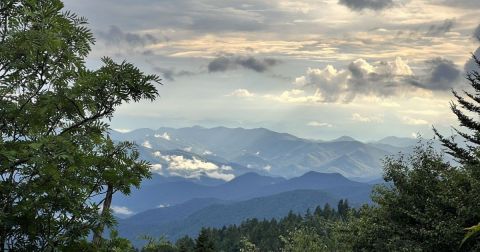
column 467, row 111
column 204, row 242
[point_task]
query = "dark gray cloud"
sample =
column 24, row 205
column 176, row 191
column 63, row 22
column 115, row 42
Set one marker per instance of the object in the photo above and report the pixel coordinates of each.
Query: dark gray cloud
column 441, row 74
column 171, row 74
column 471, row 65
column 117, row 37
column 225, row 63
column 358, row 5
column 382, row 83
column 440, row 29
column 458, row 3
column 382, row 79
column 476, row 33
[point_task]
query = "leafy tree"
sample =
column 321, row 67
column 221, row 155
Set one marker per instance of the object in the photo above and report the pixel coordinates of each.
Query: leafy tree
column 247, row 246
column 426, row 209
column 158, row 245
column 204, row 243
column 55, row 153
column 303, row 240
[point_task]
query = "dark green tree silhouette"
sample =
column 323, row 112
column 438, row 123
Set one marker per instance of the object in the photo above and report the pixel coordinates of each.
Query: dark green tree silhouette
column 185, row 244
column 204, row 242
column 467, row 110
column 55, row 153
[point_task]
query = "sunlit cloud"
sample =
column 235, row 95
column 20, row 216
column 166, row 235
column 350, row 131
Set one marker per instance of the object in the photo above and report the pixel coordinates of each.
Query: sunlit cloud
column 241, row 92
column 319, row 124
column 367, row 119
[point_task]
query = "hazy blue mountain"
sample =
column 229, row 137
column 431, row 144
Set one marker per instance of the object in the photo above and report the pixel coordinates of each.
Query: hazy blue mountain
column 264, row 151
column 216, row 215
column 202, row 180
column 344, row 139
column 398, row 141
column 152, row 195
column 160, row 216
column 247, row 186
column 332, row 183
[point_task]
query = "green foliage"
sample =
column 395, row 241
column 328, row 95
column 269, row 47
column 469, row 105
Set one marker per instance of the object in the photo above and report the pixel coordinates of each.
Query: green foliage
column 303, row 240
column 425, row 209
column 55, row 154
column 158, row 245
column 247, row 246
column 204, row 242
column 472, row 232
column 467, row 109
column 306, row 233
column 185, row 244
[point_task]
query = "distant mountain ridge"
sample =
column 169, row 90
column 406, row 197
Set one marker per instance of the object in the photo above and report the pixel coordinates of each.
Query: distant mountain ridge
column 234, row 151
column 247, row 186
column 188, row 218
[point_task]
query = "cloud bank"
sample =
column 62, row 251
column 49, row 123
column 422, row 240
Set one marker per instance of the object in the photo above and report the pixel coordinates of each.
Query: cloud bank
column 225, row 63
column 358, row 5
column 381, row 79
column 192, row 167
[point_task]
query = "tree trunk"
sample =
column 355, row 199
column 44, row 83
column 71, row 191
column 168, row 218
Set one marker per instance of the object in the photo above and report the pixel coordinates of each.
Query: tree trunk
column 97, row 236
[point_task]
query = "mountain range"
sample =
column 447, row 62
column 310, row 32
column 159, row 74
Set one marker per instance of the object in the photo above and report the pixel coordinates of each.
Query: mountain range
column 176, row 206
column 224, row 153
column 210, row 177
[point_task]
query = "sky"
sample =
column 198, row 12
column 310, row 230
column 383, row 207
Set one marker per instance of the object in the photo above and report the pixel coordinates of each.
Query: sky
column 317, row 69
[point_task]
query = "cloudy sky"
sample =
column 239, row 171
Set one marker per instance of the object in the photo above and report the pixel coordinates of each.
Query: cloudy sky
column 314, row 68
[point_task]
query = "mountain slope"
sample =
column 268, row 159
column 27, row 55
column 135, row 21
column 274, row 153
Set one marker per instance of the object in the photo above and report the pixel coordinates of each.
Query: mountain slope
column 217, row 215
column 244, row 187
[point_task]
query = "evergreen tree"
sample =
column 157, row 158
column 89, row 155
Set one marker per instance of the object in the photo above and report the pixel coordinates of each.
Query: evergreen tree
column 204, row 243
column 185, row 244
column 467, row 111
column 467, row 115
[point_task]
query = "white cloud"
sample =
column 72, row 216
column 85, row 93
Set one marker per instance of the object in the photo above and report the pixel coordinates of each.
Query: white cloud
column 360, row 118
column 219, row 175
column 182, row 163
column 121, row 210
column 207, row 152
column 267, row 168
column 244, row 93
column 147, row 144
column 195, row 168
column 226, row 168
column 157, row 168
column 164, row 136
column 157, row 154
column 296, row 96
column 413, row 121
column 188, row 149
column 123, row 130
column 319, row 124
column 163, row 205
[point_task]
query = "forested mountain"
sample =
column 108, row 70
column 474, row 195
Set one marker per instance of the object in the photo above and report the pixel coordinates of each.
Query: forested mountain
column 190, row 217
